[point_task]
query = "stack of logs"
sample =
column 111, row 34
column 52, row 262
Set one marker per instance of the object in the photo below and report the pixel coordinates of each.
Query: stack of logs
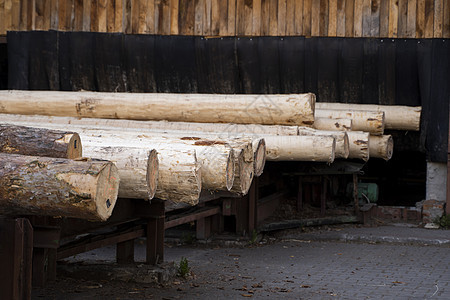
column 173, row 146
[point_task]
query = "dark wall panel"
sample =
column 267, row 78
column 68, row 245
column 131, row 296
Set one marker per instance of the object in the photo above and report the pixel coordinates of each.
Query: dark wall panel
column 385, row 71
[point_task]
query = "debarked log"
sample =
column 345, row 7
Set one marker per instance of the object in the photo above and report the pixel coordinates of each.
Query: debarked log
column 333, row 124
column 300, row 148
column 342, row 148
column 138, row 168
column 368, row 121
column 32, row 185
column 397, row 117
column 358, row 142
column 287, row 109
column 381, row 146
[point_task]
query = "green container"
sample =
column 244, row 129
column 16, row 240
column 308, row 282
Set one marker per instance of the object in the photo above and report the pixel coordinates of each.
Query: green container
column 367, row 192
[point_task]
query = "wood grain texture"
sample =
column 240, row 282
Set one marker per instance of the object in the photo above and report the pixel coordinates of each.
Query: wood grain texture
column 375, row 18
column 94, row 16
column 366, row 18
column 2, row 17
column 349, row 18
column 438, row 18
column 411, row 19
column 248, row 17
column 298, row 17
column 215, row 17
column 223, row 18
column 323, row 18
column 393, row 18
column 307, row 10
column 340, row 16
column 282, row 17
column 110, row 14
column 39, row 14
column 429, row 18
column 273, row 17
column 23, row 16
column 332, row 17
column 358, row 18
column 174, row 11
column 78, row 15
column 315, row 17
column 198, row 25
column 207, row 18
column 231, row 17
column 265, row 17
column 420, row 19
column 118, row 16
column 446, row 25
column 186, row 18
column 102, row 5
column 402, row 17
column 256, row 18
column 384, row 18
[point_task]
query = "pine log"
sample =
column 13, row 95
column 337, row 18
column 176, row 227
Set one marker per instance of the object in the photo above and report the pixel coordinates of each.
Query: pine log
column 32, row 185
column 216, row 130
column 39, row 142
column 179, row 174
column 95, row 123
column 368, row 121
column 293, row 109
column 342, row 148
column 138, row 168
column 300, row 148
column 333, row 124
column 381, row 146
column 358, row 145
column 395, row 116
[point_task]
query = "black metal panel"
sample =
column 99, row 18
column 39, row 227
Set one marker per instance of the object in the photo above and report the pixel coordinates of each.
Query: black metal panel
column 311, row 63
column 351, row 70
column 109, row 63
column 292, row 64
column 3, row 66
column 268, row 65
column 139, row 63
column 370, row 72
column 76, row 61
column 248, row 65
column 407, row 77
column 386, row 72
column 327, row 69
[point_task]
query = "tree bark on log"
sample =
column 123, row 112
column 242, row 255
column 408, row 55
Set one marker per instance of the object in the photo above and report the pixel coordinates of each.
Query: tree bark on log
column 293, row 109
column 333, row 124
column 368, row 121
column 39, row 142
column 138, row 168
column 358, row 142
column 395, row 116
column 381, row 146
column 342, row 147
column 300, row 148
column 32, row 185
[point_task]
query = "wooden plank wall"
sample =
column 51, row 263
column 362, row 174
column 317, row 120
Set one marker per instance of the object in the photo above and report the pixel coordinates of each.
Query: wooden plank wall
column 342, row 18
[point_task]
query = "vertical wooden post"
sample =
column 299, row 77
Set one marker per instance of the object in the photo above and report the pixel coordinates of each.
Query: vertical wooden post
column 125, row 252
column 252, row 205
column 300, row 194
column 16, row 250
column 203, row 228
column 355, row 192
column 155, row 233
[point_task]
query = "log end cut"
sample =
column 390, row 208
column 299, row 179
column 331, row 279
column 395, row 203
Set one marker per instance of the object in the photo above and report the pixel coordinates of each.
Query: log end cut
column 74, row 148
column 259, row 148
column 103, row 190
column 152, row 173
column 230, row 170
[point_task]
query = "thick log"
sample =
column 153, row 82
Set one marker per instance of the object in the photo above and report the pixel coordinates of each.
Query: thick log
column 138, row 168
column 292, row 109
column 179, row 174
column 342, row 148
column 300, row 148
column 39, row 142
column 368, row 121
column 395, row 116
column 358, row 142
column 215, row 130
column 31, row 185
column 381, row 146
column 333, row 124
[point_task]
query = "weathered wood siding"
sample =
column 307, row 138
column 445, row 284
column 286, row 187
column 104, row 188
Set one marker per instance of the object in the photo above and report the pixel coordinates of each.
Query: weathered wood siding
column 342, row 18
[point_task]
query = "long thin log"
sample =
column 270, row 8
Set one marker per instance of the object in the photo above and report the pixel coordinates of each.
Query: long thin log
column 95, row 123
column 39, row 142
column 138, row 168
column 333, row 124
column 395, row 116
column 358, row 145
column 293, row 109
column 368, row 121
column 300, row 148
column 381, row 146
column 342, row 147
column 32, row 185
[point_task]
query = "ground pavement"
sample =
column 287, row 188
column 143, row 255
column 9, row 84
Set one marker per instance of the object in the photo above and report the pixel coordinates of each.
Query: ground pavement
column 387, row 262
